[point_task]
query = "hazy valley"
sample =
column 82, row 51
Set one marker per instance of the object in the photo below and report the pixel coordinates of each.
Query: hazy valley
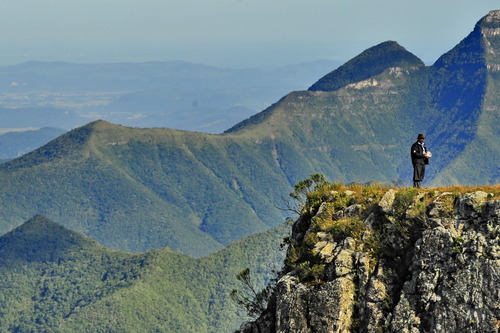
column 174, row 94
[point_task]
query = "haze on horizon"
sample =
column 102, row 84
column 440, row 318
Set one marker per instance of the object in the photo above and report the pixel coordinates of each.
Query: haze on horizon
column 229, row 33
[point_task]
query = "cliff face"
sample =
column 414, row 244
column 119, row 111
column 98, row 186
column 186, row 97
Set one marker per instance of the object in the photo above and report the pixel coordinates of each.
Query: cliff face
column 394, row 261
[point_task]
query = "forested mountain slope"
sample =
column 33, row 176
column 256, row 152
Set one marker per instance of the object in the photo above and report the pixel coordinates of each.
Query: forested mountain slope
column 56, row 280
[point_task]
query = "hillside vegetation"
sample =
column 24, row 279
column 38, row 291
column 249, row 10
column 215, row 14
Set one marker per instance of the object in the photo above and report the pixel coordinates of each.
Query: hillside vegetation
column 56, row 280
column 140, row 189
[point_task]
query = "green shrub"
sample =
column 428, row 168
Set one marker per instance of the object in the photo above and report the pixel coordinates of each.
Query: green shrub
column 403, row 200
column 253, row 301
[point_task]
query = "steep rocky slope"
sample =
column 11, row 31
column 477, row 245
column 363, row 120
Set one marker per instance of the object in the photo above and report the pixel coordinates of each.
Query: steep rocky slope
column 394, row 261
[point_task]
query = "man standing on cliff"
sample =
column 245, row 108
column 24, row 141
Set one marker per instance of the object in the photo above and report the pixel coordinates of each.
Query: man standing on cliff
column 419, row 158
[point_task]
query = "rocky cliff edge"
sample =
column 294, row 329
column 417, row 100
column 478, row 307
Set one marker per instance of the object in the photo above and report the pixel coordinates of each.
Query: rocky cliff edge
column 368, row 259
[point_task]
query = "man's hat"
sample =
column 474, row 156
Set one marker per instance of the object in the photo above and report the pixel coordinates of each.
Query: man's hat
column 420, row 136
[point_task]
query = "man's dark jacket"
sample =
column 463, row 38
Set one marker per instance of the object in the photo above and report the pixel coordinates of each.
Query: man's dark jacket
column 417, row 154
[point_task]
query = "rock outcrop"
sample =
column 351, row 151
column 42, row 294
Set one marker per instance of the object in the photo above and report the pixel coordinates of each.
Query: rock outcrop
column 395, row 261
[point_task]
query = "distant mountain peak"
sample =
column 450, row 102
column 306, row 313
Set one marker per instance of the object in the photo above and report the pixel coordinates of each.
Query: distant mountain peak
column 492, row 20
column 40, row 239
column 490, row 32
column 488, row 28
column 75, row 142
column 369, row 63
column 37, row 222
column 100, row 123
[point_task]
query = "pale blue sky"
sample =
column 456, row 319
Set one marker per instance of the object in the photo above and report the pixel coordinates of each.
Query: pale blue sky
column 229, row 33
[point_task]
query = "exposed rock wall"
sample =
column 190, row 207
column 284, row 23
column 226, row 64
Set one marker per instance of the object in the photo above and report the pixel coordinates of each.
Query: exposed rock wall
column 419, row 262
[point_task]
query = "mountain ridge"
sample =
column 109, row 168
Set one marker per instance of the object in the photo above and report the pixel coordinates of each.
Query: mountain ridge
column 97, row 158
column 478, row 120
